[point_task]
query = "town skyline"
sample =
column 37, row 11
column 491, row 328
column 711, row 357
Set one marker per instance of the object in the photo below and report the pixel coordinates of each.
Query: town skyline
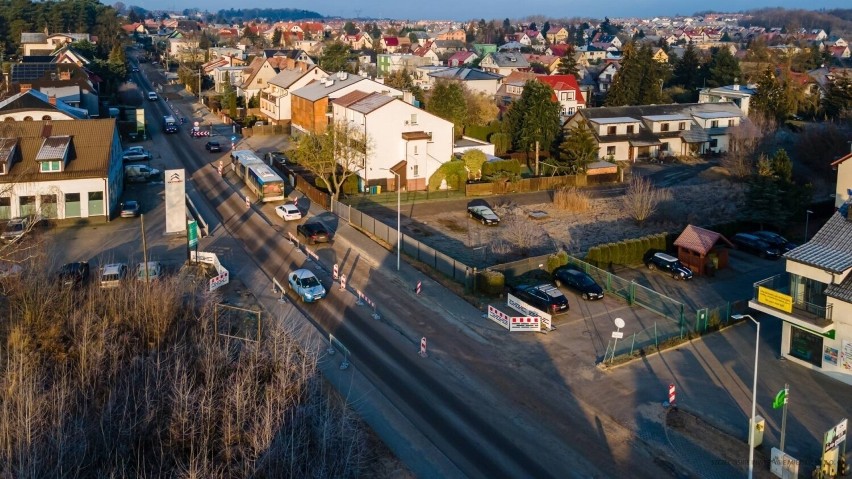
column 448, row 10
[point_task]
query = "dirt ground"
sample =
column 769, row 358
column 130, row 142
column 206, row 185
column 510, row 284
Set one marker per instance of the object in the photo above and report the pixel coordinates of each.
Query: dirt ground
column 706, row 199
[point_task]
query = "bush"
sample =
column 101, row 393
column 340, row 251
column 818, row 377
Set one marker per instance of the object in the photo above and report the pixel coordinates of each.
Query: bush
column 606, row 256
column 593, row 256
column 502, row 142
column 474, row 159
column 572, row 199
column 556, row 260
column 491, row 282
column 501, row 169
column 453, row 171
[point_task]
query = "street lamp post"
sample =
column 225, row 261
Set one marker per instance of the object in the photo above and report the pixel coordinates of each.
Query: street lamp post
column 398, row 215
column 808, row 214
column 753, row 395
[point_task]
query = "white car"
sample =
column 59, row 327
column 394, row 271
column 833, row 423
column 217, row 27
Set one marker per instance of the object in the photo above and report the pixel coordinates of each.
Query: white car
column 112, row 275
column 155, row 271
column 136, row 153
column 288, row 212
column 152, row 96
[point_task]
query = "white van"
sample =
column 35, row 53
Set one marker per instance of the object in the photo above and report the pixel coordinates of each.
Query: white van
column 139, row 173
column 152, row 96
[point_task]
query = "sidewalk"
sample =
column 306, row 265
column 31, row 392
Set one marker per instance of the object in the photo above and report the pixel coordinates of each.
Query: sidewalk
column 713, row 375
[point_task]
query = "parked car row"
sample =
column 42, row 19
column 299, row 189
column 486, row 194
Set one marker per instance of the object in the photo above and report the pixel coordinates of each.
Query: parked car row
column 77, row 274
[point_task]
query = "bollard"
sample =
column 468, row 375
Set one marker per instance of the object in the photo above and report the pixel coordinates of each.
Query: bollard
column 334, row 272
column 248, row 202
column 423, row 347
column 342, row 282
column 418, row 288
column 360, row 295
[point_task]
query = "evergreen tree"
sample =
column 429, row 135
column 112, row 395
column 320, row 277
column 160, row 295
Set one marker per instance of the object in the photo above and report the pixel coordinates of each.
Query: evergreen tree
column 782, row 166
column 768, row 100
column 335, row 57
column 686, row 71
column 724, row 68
column 568, row 64
column 579, row 148
column 349, row 28
column 625, row 85
column 276, row 37
column 534, row 117
column 447, row 100
column 837, row 102
column 545, row 28
column 653, row 76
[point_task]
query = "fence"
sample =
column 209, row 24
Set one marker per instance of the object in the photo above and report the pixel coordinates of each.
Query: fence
column 452, row 268
column 665, row 333
column 315, row 194
column 540, row 183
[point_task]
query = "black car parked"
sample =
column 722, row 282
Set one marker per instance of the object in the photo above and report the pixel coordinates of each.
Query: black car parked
column 314, row 232
column 544, row 297
column 579, row 281
column 656, row 259
column 74, row 274
column 213, row 146
column 756, row 246
column 775, row 240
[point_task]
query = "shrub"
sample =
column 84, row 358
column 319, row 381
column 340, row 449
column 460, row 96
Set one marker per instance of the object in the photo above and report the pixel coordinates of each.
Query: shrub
column 501, row 169
column 473, row 160
column 593, row 256
column 502, row 142
column 556, row 260
column 453, row 171
column 571, row 198
column 491, row 282
column 605, row 256
column 646, row 244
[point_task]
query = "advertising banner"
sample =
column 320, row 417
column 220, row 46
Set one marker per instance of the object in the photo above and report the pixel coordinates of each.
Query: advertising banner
column 514, row 323
column 846, row 355
column 527, row 310
column 222, row 275
column 175, row 201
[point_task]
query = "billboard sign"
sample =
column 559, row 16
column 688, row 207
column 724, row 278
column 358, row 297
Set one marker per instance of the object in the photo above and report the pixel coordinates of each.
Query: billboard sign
column 522, row 307
column 175, row 201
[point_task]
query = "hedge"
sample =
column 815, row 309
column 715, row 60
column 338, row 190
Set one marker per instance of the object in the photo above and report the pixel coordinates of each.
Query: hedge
column 630, row 251
column 453, row 171
column 491, row 282
column 503, row 168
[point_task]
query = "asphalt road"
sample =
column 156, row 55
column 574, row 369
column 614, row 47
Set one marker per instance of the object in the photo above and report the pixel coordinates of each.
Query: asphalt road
column 489, row 418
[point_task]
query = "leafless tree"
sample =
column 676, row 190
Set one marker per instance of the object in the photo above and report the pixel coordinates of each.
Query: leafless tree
column 744, row 140
column 641, row 199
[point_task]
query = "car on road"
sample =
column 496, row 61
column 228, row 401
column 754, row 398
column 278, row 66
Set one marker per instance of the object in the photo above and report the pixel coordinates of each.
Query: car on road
column 213, row 146
column 756, row 246
column 776, row 241
column 130, row 209
column 306, row 285
column 154, row 271
column 544, row 297
column 574, row 278
column 135, row 69
column 136, row 153
column 140, row 173
column 112, row 275
column 314, row 232
column 152, row 96
column 74, row 274
column 481, row 211
column 659, row 260
column 277, row 158
column 15, row 229
column 288, row 212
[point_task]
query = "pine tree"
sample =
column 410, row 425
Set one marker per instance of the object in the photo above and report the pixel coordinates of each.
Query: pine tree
column 724, row 68
column 768, row 99
column 568, row 64
column 579, row 148
column 534, row 117
column 625, row 85
column 686, row 71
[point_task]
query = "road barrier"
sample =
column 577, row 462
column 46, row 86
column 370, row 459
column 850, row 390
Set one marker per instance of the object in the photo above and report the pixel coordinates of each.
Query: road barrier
column 335, row 273
column 222, row 276
column 342, row 282
column 279, row 288
column 364, row 299
column 423, row 353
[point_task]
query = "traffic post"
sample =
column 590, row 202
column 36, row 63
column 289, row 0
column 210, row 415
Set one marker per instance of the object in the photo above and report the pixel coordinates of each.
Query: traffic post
column 343, row 282
column 423, row 353
column 418, row 288
column 672, row 396
column 334, row 272
column 248, row 202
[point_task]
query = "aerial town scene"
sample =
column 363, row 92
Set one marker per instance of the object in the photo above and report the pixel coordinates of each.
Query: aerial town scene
column 394, row 241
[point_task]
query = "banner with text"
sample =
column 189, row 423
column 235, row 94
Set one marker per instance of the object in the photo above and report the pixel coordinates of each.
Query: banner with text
column 514, row 323
column 520, row 306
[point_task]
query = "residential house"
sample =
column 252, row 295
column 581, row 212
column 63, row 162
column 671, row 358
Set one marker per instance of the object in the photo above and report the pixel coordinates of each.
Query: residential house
column 428, row 54
column 736, row 94
column 512, row 86
column 390, row 45
column 61, row 169
column 311, row 107
column 403, row 139
column 473, row 79
column 388, row 63
column 589, row 54
column 512, row 46
column 275, row 98
column 606, row 76
column 294, row 54
column 421, row 36
column 566, row 92
column 631, row 133
column 445, row 48
column 225, row 75
column 67, row 82
column 504, row 63
column 358, row 41
column 45, row 43
column 461, row 59
column 457, row 35
column 259, row 72
column 843, row 166
column 482, row 49
column 557, row 34
column 660, row 55
column 29, row 105
column 549, row 62
column 813, row 299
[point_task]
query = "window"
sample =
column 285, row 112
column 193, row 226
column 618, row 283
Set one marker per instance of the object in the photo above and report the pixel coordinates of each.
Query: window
column 610, row 130
column 414, row 118
column 46, row 117
column 806, row 346
column 72, row 205
column 415, row 171
column 49, row 166
column 28, row 118
column 415, row 149
column 5, row 207
column 48, row 206
column 681, row 126
column 664, row 127
column 610, row 151
column 564, row 95
column 96, row 203
column 630, row 129
column 730, row 122
column 664, row 146
column 28, row 205
column 714, row 124
column 714, row 143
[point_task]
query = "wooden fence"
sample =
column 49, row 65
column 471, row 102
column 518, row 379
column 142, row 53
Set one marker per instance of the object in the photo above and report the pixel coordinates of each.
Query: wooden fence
column 541, row 183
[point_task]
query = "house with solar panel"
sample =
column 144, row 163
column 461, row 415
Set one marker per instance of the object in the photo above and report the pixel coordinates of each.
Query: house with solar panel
column 60, row 170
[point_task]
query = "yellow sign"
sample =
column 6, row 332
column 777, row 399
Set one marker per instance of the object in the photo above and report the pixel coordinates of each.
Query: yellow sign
column 775, row 299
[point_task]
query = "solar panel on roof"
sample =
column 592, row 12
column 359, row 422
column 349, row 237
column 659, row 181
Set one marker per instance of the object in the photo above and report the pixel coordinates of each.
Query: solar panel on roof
column 53, row 148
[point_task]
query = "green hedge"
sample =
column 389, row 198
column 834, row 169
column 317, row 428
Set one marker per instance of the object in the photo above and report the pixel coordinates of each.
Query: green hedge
column 491, row 282
column 504, row 168
column 556, row 260
column 630, row 251
column 502, row 143
column 453, row 171
column 482, row 132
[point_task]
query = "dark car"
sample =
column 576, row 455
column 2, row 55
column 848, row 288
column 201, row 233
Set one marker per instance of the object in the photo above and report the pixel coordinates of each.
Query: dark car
column 313, row 232
column 481, row 211
column 130, row 209
column 74, row 274
column 279, row 160
column 775, row 240
column 544, row 297
column 572, row 277
column 656, row 259
column 756, row 246
column 213, row 146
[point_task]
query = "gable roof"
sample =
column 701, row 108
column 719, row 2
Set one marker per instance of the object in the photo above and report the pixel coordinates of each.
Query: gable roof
column 285, row 78
column 34, row 100
column 465, row 74
column 841, row 160
column 830, row 248
column 699, row 240
column 90, row 147
column 318, row 89
column 562, row 83
column 350, row 98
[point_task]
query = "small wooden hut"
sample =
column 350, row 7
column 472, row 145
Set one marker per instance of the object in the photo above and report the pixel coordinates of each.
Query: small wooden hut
column 700, row 250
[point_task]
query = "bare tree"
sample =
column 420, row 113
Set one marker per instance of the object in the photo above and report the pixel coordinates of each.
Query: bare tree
column 521, row 232
column 744, row 140
column 641, row 199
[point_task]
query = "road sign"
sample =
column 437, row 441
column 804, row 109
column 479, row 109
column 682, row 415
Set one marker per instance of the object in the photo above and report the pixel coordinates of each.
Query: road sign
column 192, row 233
column 233, row 139
column 617, row 334
column 835, row 436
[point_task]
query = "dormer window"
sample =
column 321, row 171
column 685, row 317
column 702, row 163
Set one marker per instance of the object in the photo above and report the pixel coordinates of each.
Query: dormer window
column 53, row 153
column 681, row 126
column 664, row 127
column 610, row 130
column 630, row 129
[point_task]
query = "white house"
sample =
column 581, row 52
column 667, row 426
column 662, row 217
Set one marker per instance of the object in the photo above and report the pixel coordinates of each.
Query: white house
column 844, row 180
column 475, row 80
column 402, row 138
column 275, row 100
column 61, row 169
column 741, row 96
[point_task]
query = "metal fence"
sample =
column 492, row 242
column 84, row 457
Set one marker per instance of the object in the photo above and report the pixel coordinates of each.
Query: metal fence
column 452, row 268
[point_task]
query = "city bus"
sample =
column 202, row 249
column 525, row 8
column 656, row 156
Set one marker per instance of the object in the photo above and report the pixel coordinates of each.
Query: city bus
column 258, row 176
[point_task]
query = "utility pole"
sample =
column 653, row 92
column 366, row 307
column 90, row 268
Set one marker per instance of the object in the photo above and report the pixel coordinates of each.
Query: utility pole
column 144, row 247
column 536, row 158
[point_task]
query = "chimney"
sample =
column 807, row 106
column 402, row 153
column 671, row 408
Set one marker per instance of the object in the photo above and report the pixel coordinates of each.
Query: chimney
column 736, row 84
column 52, row 100
column 25, row 87
column 65, row 75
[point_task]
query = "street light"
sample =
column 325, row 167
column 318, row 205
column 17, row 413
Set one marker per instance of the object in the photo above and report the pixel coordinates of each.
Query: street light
column 808, row 214
column 753, row 395
column 398, row 216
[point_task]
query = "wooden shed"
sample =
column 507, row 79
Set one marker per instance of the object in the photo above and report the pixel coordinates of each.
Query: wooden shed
column 699, row 250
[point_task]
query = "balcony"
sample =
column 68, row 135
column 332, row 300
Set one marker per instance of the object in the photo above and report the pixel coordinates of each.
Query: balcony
column 268, row 96
column 783, row 296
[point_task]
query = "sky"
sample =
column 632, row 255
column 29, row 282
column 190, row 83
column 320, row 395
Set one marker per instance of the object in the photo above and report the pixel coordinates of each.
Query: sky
column 492, row 9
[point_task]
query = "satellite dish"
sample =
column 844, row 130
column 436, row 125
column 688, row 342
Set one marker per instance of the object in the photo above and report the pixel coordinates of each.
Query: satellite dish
column 619, row 323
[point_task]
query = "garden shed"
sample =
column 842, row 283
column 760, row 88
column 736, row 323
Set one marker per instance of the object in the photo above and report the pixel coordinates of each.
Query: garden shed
column 700, row 250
